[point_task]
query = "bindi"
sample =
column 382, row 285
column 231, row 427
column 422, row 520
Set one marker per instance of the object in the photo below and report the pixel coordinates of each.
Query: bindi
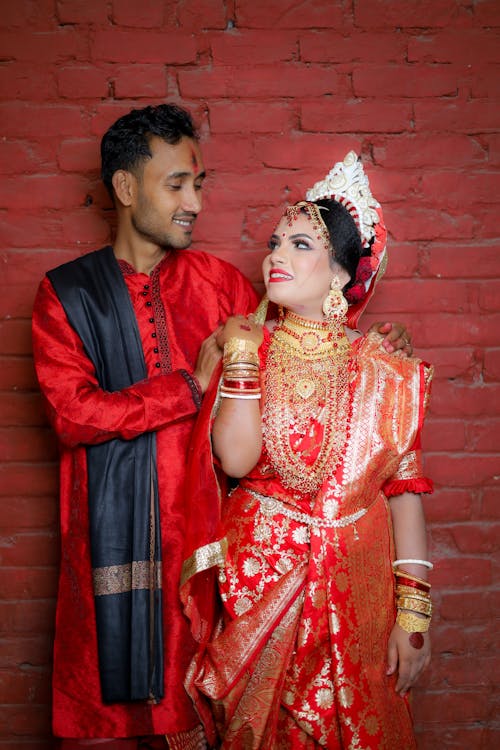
column 194, row 161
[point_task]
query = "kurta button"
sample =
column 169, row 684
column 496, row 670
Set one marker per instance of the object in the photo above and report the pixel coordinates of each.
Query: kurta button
column 153, row 335
column 148, row 304
column 157, row 364
column 151, row 320
column 144, row 294
column 155, row 350
column 146, row 286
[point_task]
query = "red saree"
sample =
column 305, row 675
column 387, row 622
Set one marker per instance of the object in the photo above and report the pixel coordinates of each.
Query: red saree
column 296, row 657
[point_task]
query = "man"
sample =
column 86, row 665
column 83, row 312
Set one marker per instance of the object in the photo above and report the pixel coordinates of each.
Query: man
column 124, row 350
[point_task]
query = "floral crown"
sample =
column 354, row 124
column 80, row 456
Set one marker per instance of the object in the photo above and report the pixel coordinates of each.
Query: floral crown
column 347, row 184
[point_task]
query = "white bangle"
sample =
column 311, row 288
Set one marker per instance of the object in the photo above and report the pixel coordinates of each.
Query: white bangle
column 425, row 563
column 242, row 395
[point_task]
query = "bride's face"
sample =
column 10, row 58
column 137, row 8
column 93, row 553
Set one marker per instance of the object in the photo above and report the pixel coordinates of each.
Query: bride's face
column 298, row 270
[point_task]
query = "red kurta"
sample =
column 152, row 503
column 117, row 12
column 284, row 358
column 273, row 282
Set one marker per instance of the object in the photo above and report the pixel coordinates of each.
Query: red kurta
column 186, row 297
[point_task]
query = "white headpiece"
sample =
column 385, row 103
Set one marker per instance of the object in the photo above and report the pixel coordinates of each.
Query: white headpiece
column 347, row 183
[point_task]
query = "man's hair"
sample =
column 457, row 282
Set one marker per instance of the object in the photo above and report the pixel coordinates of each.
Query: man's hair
column 126, row 144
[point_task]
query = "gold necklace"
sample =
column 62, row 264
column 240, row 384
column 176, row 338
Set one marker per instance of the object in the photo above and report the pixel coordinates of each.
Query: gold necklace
column 306, row 406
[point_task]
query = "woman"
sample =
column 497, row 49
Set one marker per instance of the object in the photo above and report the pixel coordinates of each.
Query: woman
column 320, row 552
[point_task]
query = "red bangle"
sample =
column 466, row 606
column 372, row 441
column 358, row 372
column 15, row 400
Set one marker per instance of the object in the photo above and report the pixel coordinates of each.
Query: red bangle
column 241, row 385
column 413, row 584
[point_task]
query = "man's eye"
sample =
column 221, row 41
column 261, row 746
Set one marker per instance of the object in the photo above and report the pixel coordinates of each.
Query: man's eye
column 174, row 187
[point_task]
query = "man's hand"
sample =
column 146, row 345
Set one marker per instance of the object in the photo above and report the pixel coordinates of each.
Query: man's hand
column 396, row 337
column 208, row 357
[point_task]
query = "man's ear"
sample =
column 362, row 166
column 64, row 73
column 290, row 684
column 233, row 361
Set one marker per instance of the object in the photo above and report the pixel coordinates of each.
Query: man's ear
column 123, row 185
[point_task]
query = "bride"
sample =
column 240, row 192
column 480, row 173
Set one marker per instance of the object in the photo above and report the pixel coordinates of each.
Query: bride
column 306, row 585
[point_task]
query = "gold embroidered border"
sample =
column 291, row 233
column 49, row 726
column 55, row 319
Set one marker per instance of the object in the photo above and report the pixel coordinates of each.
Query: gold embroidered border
column 118, row 579
column 204, row 558
column 192, row 739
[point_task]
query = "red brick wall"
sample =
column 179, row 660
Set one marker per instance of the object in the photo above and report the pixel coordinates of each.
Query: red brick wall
column 281, row 90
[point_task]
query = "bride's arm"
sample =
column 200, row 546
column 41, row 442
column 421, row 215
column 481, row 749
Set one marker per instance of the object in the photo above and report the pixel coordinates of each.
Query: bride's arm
column 237, row 429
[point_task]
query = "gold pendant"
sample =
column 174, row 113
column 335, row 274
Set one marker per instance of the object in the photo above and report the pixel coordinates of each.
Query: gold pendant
column 305, row 388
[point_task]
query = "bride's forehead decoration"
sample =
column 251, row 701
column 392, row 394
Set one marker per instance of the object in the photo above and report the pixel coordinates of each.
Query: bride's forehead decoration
column 314, row 213
column 348, row 184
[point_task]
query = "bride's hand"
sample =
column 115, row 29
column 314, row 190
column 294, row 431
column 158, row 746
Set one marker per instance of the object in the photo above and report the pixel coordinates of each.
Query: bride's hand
column 239, row 327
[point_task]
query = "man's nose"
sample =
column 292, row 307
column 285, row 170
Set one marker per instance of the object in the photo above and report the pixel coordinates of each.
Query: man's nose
column 191, row 200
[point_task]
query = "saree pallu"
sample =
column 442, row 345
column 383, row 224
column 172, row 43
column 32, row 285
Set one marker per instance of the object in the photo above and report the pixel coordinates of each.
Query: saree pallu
column 297, row 656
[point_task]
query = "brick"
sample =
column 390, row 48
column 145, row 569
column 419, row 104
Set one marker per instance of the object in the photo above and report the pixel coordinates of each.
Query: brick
column 20, row 267
column 18, row 409
column 458, row 117
column 329, row 47
column 490, row 503
column 27, row 13
column 478, row 400
column 205, row 14
column 474, row 572
column 480, row 260
column 486, row 222
column 464, row 46
column 19, row 80
column 17, row 374
column 452, row 737
column 446, row 706
column 404, row 81
column 26, row 686
column 458, row 189
column 444, row 435
column 415, row 150
column 239, row 47
column 462, row 363
column 251, row 117
column 32, row 551
column 448, row 505
column 45, row 47
column 15, row 336
column 22, row 583
column 81, row 12
column 27, row 617
column 390, row 184
column 35, row 651
column 43, row 191
column 79, row 155
column 27, row 444
column 35, row 513
column 140, row 82
column 358, row 116
column 169, row 48
column 484, row 83
column 17, row 301
column 313, row 151
column 470, row 538
column 492, row 365
column 418, row 223
column 487, row 13
column 429, row 294
column 146, row 14
column 450, row 330
column 286, row 14
column 374, row 14
column 83, row 82
column 484, row 435
column 262, row 82
column 25, row 721
column 474, row 606
column 28, row 479
column 488, row 297
column 462, row 471
column 21, row 120
column 27, row 230
column 85, row 225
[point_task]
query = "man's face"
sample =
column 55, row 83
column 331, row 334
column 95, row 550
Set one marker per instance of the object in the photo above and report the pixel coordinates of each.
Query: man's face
column 167, row 198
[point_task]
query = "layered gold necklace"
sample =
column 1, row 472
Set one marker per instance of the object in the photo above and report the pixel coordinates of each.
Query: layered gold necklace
column 306, row 408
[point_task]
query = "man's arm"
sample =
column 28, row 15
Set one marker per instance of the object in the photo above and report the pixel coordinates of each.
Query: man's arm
column 80, row 411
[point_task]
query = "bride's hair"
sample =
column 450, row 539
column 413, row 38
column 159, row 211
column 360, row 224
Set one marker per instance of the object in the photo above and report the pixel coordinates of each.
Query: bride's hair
column 347, row 249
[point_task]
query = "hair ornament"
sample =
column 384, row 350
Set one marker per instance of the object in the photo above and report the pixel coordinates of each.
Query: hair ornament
column 348, row 184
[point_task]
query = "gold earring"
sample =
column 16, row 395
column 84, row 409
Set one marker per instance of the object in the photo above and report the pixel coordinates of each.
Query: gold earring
column 335, row 305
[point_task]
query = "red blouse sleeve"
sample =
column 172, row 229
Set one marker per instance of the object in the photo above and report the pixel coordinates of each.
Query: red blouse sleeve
column 80, row 411
column 410, row 476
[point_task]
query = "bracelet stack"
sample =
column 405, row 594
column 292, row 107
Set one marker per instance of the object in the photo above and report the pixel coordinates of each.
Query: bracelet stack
column 240, row 370
column 413, row 599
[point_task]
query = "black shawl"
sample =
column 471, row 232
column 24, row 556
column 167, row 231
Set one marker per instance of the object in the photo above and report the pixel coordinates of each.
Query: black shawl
column 122, row 487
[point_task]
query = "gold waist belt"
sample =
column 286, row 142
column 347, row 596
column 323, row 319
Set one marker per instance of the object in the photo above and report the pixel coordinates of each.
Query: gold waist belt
column 269, row 506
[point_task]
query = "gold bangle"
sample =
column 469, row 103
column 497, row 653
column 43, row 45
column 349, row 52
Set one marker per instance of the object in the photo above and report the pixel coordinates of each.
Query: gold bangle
column 412, row 623
column 240, row 350
column 411, row 591
column 413, row 605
